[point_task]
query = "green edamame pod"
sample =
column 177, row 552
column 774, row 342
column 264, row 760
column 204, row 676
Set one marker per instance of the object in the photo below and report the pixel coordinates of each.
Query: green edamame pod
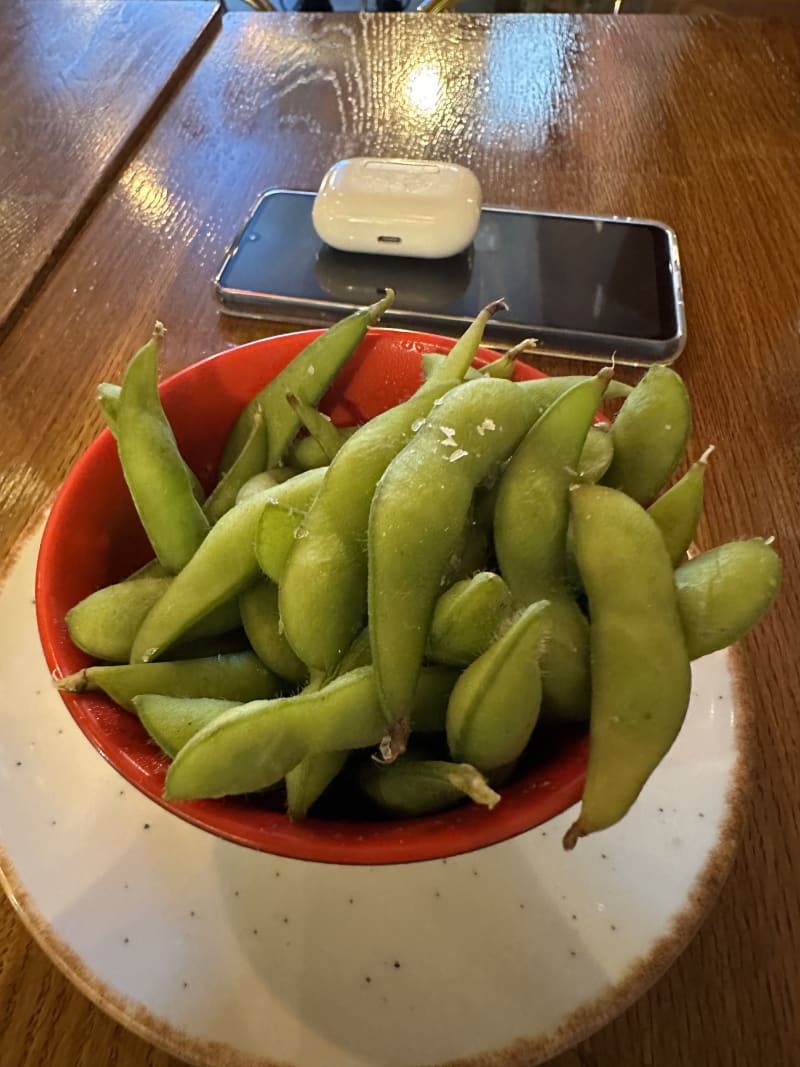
column 108, row 397
column 640, row 664
column 415, row 786
column 678, row 511
column 596, row 456
column 248, row 464
column 258, row 605
column 505, row 366
column 222, row 567
column 282, row 523
column 431, row 360
column 160, row 483
column 494, row 706
column 467, row 618
column 724, row 592
column 308, row 376
column 649, row 435
column 265, row 480
column 239, row 677
column 104, row 624
column 152, row 569
column 172, row 721
column 306, row 782
column 530, row 535
column 306, row 454
column 416, row 518
column 329, row 437
column 254, row 746
column 323, row 589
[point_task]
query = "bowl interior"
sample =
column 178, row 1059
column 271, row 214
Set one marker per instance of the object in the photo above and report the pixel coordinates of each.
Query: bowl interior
column 93, row 537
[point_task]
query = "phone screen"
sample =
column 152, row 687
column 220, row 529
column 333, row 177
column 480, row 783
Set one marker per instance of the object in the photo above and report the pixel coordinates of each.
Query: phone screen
column 560, row 275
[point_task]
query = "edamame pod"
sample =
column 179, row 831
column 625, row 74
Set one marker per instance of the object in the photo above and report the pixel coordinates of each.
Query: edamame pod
column 494, row 706
column 222, row 567
column 329, row 437
column 105, row 623
column 308, row 376
column 306, row 782
column 265, row 480
column 596, row 456
column 467, row 619
column 108, row 397
column 239, row 677
column 415, row 786
column 649, row 435
column 531, row 518
column 160, row 483
column 724, row 592
column 254, row 746
column 431, row 360
column 323, row 589
column 640, row 664
column 258, row 605
column 248, row 464
column 172, row 721
column 417, row 515
column 678, row 511
column 282, row 523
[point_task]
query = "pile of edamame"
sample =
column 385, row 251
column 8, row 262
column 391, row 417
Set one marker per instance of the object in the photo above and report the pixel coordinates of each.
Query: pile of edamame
column 406, row 605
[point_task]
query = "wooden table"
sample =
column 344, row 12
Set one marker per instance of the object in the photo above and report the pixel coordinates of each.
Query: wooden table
column 80, row 84
column 692, row 121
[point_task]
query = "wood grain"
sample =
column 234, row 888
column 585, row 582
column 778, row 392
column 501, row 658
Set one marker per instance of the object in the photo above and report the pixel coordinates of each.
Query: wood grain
column 78, row 83
column 695, row 121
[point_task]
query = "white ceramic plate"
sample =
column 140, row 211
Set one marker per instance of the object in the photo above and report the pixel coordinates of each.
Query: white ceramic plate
column 221, row 954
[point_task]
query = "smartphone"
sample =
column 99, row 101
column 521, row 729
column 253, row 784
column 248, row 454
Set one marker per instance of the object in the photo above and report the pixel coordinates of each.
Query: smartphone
column 584, row 286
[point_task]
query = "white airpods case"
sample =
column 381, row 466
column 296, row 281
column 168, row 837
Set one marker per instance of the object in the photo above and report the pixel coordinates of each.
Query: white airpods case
column 398, row 207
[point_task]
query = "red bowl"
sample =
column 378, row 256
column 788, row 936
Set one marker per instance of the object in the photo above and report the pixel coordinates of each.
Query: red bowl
column 93, row 537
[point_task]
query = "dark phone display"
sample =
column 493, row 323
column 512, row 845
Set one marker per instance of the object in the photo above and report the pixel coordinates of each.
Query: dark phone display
column 555, row 272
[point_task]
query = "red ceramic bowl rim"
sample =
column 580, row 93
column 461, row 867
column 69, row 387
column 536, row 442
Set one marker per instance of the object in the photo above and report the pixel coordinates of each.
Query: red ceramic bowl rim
column 527, row 803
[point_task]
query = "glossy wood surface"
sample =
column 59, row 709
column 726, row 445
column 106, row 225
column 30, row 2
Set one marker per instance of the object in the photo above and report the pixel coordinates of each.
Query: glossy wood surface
column 79, row 84
column 696, row 122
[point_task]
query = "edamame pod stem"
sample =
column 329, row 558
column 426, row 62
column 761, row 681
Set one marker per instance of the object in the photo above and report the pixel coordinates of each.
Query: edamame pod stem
column 413, row 786
column 308, row 376
column 105, row 623
column 649, row 435
column 416, row 518
column 323, row 588
column 724, row 592
column 467, row 618
column 254, row 746
column 248, row 464
column 494, row 706
column 329, row 437
column 172, row 721
column 640, row 664
column 222, row 567
column 259, row 607
column 505, row 366
column 306, row 782
column 159, row 480
column 678, row 511
column 239, row 677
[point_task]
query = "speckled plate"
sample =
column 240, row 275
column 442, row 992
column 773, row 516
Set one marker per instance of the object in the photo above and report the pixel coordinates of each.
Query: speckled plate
column 223, row 955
